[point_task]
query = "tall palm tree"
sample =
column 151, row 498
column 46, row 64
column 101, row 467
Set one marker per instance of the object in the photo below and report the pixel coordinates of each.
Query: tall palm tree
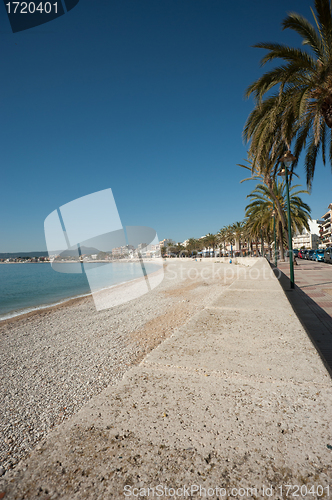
column 301, row 106
column 247, row 236
column 238, row 232
column 171, row 248
column 192, row 245
column 180, row 250
column 256, row 224
column 222, row 239
column 266, row 172
column 259, row 211
column 230, row 236
column 211, row 241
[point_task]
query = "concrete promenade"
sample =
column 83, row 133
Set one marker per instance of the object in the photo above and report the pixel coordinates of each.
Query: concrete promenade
column 312, row 301
column 238, row 397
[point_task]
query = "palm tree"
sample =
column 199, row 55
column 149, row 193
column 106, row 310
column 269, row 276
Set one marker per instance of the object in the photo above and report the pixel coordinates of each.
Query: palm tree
column 222, row 239
column 301, row 106
column 267, row 173
column 168, row 249
column 255, row 224
column 247, row 236
column 180, row 250
column 238, row 232
column 192, row 245
column 259, row 211
column 211, row 241
column 230, row 236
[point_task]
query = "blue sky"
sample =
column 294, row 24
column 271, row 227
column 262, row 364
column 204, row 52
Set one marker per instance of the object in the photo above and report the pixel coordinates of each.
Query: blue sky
column 141, row 96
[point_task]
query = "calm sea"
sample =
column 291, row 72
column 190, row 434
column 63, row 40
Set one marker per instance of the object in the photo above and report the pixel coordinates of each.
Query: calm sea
column 25, row 287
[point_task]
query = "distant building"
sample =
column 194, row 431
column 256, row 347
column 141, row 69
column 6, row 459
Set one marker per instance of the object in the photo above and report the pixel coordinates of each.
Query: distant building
column 166, row 242
column 155, row 248
column 142, row 246
column 307, row 239
column 116, row 251
column 325, row 228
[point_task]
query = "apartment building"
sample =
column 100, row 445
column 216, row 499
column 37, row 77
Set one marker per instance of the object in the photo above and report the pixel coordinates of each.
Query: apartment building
column 308, row 239
column 325, row 228
column 122, row 251
column 165, row 242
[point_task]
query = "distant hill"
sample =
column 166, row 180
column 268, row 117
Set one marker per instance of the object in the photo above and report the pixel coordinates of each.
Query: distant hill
column 65, row 253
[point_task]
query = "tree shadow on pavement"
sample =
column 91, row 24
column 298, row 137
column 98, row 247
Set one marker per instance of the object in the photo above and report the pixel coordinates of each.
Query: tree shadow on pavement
column 316, row 321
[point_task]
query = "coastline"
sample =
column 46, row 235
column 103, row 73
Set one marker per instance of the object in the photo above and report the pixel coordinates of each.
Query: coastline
column 16, row 314
column 33, row 310
column 45, row 309
column 56, row 359
column 94, row 261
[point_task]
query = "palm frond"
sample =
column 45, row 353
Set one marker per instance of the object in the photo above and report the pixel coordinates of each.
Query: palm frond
column 306, row 30
column 324, row 17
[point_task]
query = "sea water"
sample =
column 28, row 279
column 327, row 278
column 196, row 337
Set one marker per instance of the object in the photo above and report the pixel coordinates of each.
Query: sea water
column 30, row 286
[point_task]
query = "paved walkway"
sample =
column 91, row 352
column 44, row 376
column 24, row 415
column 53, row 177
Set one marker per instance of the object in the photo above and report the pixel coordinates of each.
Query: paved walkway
column 236, row 398
column 312, row 302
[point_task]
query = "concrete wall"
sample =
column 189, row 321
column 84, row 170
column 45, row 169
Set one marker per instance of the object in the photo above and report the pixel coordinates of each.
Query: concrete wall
column 247, row 261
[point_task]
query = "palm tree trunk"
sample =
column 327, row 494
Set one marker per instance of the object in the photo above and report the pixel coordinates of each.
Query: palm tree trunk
column 327, row 111
column 281, row 241
column 269, row 245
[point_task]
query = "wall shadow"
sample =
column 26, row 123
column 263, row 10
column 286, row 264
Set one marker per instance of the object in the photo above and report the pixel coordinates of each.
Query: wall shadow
column 316, row 322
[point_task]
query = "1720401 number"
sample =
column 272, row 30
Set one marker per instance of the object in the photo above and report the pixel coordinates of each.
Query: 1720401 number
column 295, row 490
column 31, row 7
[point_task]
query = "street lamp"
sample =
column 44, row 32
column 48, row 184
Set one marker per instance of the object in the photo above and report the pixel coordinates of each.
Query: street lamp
column 287, row 160
column 275, row 238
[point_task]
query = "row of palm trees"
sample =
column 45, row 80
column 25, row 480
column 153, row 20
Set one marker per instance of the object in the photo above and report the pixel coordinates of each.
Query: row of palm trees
column 262, row 223
column 194, row 246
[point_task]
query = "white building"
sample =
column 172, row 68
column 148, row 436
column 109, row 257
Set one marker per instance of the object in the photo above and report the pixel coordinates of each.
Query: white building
column 307, row 239
column 325, row 228
column 166, row 242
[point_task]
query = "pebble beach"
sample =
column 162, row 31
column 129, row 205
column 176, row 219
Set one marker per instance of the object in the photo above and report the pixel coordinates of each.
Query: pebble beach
column 53, row 361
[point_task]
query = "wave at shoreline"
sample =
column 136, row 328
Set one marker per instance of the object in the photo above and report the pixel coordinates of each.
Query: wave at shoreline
column 34, row 309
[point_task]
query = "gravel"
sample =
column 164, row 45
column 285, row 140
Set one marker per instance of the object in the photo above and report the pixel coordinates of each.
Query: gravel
column 53, row 362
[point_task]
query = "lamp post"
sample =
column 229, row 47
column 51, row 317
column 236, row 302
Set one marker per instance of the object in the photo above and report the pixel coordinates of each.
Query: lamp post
column 262, row 244
column 275, row 237
column 287, row 160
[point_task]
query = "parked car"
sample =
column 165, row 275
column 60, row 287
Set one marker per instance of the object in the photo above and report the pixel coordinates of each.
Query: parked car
column 296, row 252
column 305, row 253
column 318, row 255
column 301, row 254
column 311, row 254
column 328, row 255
